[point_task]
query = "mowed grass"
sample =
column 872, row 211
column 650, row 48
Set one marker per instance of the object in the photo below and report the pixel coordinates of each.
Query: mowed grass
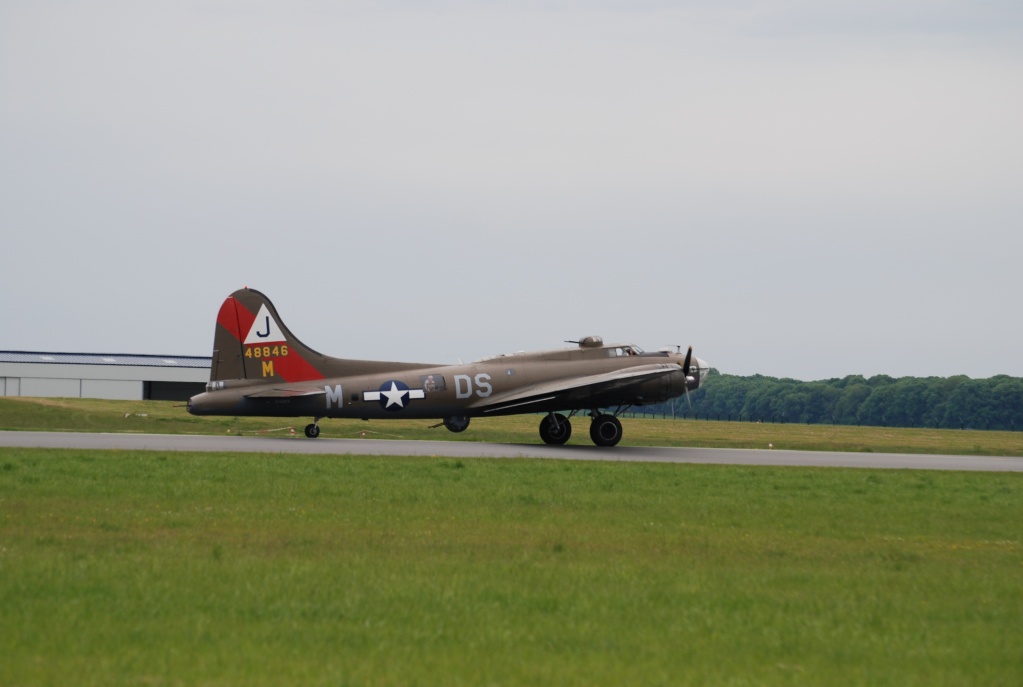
column 148, row 568
column 159, row 417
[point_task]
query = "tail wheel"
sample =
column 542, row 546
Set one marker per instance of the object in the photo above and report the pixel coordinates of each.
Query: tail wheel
column 312, row 430
column 555, row 429
column 606, row 430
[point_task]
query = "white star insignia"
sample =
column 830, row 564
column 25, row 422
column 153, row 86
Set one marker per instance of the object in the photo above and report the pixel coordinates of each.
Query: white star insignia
column 395, row 396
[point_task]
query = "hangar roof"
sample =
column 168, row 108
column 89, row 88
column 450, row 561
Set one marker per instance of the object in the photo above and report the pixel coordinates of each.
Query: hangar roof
column 105, row 359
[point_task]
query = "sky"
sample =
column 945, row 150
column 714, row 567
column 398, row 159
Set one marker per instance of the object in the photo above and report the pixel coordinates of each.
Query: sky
column 796, row 189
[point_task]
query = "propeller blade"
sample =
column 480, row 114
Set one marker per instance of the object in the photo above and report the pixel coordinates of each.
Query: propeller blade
column 686, row 367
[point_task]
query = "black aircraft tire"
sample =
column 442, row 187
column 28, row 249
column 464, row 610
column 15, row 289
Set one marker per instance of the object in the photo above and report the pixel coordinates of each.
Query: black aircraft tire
column 456, row 423
column 556, row 433
column 312, row 431
column 606, row 430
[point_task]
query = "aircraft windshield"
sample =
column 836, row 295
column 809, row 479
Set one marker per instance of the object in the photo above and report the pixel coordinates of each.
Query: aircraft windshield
column 619, row 351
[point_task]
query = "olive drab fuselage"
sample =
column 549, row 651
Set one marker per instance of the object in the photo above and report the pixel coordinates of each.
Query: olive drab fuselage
column 259, row 368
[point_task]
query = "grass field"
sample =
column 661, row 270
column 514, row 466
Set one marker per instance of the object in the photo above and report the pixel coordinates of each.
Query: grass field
column 150, row 568
column 226, row 569
column 91, row 415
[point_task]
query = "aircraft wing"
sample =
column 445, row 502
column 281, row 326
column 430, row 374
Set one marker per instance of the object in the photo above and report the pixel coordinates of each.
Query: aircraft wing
column 284, row 392
column 576, row 388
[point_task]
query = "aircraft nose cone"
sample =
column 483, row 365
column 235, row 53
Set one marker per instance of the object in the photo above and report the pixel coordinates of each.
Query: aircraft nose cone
column 702, row 369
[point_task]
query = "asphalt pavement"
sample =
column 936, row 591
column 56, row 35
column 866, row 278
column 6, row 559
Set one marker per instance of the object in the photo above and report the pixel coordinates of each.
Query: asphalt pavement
column 465, row 449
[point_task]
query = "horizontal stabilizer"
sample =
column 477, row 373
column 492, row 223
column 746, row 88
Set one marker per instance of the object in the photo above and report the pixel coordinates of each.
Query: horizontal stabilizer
column 285, row 393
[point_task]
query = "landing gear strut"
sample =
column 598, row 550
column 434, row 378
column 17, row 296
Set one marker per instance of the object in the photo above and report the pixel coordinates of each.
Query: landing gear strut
column 555, row 429
column 313, row 430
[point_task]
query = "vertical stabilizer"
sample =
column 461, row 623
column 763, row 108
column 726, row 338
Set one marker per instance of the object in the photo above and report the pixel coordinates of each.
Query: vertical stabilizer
column 252, row 343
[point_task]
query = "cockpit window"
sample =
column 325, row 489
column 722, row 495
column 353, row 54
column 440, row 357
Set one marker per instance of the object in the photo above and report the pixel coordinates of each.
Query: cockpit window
column 620, row 351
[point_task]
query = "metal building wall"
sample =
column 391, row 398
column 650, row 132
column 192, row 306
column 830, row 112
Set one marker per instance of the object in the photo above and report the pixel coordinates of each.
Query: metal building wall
column 42, row 386
column 112, row 389
column 119, row 382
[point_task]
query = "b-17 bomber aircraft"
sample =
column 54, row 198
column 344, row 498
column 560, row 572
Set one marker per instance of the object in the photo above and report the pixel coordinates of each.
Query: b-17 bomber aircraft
column 259, row 368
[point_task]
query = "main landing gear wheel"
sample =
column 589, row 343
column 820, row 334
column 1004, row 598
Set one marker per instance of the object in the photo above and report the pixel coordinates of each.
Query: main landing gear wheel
column 456, row 423
column 555, row 429
column 606, row 430
column 312, row 430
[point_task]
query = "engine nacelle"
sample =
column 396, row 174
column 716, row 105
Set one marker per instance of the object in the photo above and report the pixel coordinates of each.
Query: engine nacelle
column 661, row 389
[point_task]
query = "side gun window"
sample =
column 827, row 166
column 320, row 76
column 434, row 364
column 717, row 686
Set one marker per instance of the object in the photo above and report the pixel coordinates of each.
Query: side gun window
column 432, row 383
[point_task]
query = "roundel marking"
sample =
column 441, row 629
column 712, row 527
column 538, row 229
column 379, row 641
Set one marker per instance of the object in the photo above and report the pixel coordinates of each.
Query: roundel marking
column 393, row 395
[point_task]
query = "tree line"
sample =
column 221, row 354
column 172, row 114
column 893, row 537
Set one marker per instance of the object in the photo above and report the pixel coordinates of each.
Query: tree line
column 882, row 401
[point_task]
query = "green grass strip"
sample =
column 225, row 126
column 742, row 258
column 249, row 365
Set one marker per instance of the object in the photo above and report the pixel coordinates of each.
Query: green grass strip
column 147, row 568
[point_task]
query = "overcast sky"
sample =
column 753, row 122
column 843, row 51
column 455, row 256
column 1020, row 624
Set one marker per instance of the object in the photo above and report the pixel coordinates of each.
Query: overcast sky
column 798, row 189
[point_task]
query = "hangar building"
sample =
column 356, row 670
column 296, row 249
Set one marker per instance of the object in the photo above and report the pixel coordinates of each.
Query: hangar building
column 106, row 375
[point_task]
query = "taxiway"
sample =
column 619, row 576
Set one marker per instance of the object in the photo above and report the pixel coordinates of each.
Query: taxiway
column 465, row 449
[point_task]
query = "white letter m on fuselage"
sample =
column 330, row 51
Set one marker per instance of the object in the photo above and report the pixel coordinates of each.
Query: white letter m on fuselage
column 333, row 396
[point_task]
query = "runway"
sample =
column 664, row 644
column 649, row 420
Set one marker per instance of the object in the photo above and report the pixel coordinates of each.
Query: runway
column 464, row 449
